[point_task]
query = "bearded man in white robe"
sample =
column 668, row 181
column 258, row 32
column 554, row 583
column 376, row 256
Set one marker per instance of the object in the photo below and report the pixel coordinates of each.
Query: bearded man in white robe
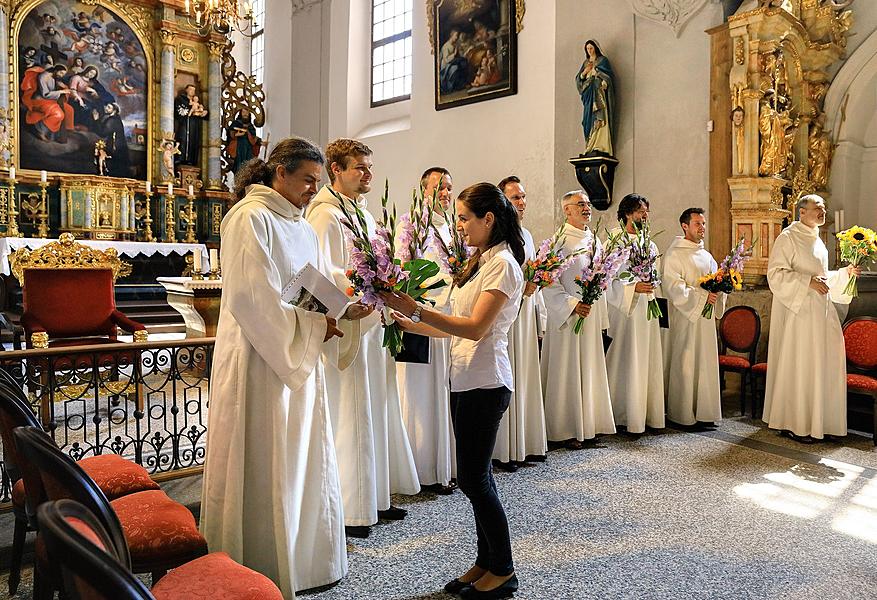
column 271, row 494
column 424, row 389
column 374, row 456
column 634, row 361
column 806, row 398
column 521, row 436
column 574, row 379
column 692, row 378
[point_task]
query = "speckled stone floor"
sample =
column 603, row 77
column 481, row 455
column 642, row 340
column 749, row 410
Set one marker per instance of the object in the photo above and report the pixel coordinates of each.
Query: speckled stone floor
column 735, row 513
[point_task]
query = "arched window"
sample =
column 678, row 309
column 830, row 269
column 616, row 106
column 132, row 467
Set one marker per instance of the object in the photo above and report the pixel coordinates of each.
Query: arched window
column 257, row 44
column 391, row 51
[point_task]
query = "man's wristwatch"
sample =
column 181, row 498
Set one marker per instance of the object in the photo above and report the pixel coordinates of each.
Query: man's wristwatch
column 415, row 316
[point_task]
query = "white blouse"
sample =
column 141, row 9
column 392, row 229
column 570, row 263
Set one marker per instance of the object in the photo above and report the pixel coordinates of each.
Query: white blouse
column 485, row 364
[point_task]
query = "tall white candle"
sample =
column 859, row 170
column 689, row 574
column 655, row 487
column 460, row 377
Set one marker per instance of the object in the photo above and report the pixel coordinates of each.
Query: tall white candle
column 43, row 176
column 148, row 187
column 11, row 172
column 837, row 221
column 842, row 220
column 170, row 189
column 214, row 259
column 191, row 190
column 196, row 262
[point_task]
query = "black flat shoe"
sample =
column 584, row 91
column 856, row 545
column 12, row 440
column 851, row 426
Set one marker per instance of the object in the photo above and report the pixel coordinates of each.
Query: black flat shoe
column 536, row 458
column 357, row 531
column 506, row 590
column 455, row 585
column 508, row 467
column 392, row 514
column 445, row 490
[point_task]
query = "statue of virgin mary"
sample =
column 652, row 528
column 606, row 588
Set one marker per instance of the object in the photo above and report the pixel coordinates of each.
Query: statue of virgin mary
column 596, row 86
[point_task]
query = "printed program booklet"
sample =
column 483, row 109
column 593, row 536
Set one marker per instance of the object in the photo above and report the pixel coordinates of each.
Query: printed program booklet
column 313, row 291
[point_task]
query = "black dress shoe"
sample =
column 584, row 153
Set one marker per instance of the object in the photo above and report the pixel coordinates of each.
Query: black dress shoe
column 508, row 467
column 357, row 531
column 445, row 490
column 455, row 585
column 536, row 458
column 392, row 514
column 506, row 590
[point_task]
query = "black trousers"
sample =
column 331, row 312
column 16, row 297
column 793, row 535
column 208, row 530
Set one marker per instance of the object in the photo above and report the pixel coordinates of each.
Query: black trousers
column 475, row 415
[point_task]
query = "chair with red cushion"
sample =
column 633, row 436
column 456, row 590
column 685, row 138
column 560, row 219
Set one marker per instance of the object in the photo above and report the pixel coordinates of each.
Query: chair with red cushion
column 69, row 300
column 95, row 567
column 160, row 534
column 860, row 343
column 114, row 475
column 739, row 330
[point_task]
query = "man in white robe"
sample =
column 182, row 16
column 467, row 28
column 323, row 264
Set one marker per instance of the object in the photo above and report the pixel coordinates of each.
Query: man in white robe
column 806, row 390
column 574, row 379
column 271, row 494
column 374, row 456
column 634, row 361
column 424, row 389
column 692, row 378
column 521, row 434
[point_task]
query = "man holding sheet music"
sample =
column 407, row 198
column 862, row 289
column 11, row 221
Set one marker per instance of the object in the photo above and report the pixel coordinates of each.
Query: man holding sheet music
column 272, row 496
column 374, row 456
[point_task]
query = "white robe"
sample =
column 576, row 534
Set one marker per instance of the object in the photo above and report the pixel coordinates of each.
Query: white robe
column 374, row 457
column 271, row 495
column 634, row 361
column 692, row 376
column 424, row 392
column 574, row 379
column 522, row 429
column 806, row 389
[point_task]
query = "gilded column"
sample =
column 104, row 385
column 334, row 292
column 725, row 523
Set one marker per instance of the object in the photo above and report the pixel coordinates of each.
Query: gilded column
column 166, row 109
column 214, row 123
column 5, row 116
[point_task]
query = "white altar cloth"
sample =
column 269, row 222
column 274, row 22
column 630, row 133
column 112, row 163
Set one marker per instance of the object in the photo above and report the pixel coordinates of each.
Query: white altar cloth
column 10, row 244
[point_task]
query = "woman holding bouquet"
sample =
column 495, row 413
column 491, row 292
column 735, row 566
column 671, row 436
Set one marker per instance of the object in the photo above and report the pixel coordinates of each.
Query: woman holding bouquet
column 806, row 390
column 485, row 302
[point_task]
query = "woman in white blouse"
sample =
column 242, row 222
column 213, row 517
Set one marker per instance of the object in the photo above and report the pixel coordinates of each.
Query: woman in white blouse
column 485, row 302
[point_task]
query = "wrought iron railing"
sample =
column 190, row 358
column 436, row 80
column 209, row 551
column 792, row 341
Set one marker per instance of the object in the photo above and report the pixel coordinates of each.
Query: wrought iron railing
column 146, row 401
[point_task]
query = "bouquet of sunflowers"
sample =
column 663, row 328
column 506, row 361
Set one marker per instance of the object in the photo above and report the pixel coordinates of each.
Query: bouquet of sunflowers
column 729, row 276
column 858, row 245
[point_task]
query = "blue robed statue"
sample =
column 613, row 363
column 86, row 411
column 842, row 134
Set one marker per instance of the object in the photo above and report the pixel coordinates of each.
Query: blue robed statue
column 596, row 86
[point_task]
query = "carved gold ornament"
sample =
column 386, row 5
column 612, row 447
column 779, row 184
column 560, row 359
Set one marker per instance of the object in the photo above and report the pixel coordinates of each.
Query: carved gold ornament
column 141, row 335
column 39, row 339
column 187, row 54
column 67, row 253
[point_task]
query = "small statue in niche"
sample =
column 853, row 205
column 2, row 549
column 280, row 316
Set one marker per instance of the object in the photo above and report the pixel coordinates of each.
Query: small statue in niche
column 595, row 83
column 777, row 129
column 821, row 150
column 737, row 116
column 101, row 157
column 188, row 115
column 244, row 144
column 168, row 149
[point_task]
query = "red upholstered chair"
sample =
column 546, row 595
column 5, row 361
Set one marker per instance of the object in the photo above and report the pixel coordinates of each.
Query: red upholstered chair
column 739, row 330
column 860, row 343
column 94, row 567
column 159, row 533
column 115, row 476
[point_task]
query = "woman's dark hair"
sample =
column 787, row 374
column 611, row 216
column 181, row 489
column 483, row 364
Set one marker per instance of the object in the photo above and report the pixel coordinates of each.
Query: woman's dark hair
column 629, row 205
column 289, row 154
column 596, row 47
column 483, row 198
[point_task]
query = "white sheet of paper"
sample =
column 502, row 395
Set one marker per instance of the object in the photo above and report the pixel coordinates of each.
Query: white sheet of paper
column 311, row 290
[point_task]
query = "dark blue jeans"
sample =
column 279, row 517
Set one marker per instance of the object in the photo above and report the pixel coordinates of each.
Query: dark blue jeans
column 476, row 415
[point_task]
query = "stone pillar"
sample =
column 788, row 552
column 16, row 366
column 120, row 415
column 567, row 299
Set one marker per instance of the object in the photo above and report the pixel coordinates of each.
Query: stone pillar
column 166, row 109
column 214, row 119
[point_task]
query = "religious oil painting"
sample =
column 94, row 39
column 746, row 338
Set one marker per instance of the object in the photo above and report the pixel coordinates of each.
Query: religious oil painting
column 475, row 48
column 82, row 78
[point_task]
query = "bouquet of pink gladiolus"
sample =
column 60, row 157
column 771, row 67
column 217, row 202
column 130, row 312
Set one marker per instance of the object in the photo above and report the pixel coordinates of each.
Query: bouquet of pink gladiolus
column 550, row 261
column 642, row 265
column 603, row 267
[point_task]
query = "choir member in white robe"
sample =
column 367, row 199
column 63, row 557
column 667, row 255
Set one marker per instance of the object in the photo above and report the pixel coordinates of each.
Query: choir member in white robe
column 374, row 456
column 424, row 389
column 271, row 494
column 574, row 378
column 522, row 429
column 806, row 389
column 692, row 377
column 634, row 361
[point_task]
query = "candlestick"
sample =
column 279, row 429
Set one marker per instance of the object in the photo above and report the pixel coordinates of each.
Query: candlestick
column 215, row 270
column 147, row 218
column 197, row 267
column 191, row 217
column 170, row 224
column 148, row 187
column 12, row 212
column 43, row 215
